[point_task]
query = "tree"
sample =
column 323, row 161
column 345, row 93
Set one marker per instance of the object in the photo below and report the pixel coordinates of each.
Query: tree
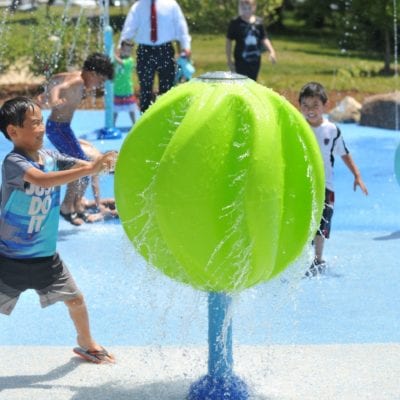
column 372, row 22
column 313, row 13
column 212, row 16
column 365, row 25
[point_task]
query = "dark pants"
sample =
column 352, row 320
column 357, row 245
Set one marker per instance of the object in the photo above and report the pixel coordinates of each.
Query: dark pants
column 250, row 70
column 152, row 59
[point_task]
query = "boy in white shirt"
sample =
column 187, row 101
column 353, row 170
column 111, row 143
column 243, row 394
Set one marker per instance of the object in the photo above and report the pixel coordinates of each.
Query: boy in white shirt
column 312, row 100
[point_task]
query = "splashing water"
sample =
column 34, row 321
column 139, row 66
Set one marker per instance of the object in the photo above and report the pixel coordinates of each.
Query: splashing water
column 56, row 54
column 71, row 50
column 88, row 39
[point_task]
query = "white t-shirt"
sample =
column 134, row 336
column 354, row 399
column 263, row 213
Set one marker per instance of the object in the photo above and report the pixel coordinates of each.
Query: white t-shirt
column 331, row 143
column 171, row 23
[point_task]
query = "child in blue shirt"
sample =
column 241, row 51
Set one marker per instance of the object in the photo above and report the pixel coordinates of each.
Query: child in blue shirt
column 30, row 208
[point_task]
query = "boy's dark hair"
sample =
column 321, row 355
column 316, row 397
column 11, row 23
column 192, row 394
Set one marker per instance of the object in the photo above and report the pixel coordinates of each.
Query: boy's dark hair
column 313, row 89
column 127, row 42
column 13, row 112
column 99, row 63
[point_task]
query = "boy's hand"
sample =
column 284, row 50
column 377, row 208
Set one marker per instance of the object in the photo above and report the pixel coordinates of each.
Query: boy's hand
column 359, row 182
column 187, row 53
column 106, row 162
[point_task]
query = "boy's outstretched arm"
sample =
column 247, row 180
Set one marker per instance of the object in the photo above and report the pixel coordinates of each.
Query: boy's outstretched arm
column 81, row 168
column 347, row 159
column 270, row 48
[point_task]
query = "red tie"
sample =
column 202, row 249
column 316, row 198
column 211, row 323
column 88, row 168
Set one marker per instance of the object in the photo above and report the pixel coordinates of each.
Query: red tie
column 153, row 19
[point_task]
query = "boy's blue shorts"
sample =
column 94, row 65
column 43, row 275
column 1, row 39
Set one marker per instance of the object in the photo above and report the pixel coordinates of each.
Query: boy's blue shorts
column 64, row 140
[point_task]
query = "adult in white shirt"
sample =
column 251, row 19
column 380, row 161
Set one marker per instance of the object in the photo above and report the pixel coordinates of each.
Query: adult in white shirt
column 154, row 25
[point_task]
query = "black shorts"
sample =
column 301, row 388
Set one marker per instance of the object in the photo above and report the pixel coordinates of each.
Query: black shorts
column 49, row 276
column 326, row 220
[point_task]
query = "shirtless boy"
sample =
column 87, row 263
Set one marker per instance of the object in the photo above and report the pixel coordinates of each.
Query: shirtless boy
column 63, row 94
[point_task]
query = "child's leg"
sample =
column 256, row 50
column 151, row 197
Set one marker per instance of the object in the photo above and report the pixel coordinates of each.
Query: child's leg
column 318, row 265
column 67, row 208
column 80, row 317
column 76, row 192
column 54, row 283
column 68, row 203
column 319, row 242
column 325, row 225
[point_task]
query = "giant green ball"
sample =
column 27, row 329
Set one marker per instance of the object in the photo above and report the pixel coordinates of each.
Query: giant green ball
column 220, row 183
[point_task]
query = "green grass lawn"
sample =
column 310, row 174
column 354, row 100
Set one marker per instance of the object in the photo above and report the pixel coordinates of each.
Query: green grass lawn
column 302, row 55
column 300, row 61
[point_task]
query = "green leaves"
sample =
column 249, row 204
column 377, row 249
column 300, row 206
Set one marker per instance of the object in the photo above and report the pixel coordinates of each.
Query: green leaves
column 212, row 16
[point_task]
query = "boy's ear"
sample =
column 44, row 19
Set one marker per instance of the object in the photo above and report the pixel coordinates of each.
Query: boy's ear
column 11, row 130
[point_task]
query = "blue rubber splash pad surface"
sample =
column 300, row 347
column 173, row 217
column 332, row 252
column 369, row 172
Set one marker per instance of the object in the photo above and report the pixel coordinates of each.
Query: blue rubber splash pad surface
column 132, row 304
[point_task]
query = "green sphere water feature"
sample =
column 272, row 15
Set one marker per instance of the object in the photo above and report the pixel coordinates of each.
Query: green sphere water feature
column 220, row 183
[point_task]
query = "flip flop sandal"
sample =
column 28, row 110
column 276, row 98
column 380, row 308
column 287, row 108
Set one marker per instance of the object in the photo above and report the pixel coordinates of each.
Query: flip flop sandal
column 73, row 218
column 83, row 215
column 94, row 356
column 86, row 217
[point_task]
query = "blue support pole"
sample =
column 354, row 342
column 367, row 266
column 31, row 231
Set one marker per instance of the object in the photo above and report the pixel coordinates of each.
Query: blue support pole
column 220, row 383
column 220, row 359
column 109, row 131
column 109, row 85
